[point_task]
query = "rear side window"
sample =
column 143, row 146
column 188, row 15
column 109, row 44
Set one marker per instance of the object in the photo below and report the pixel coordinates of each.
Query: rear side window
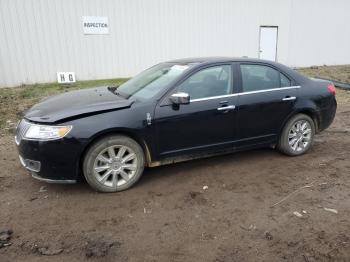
column 260, row 77
column 285, row 81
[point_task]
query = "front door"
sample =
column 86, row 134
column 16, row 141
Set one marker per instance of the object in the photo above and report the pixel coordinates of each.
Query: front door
column 266, row 100
column 207, row 122
column 268, row 43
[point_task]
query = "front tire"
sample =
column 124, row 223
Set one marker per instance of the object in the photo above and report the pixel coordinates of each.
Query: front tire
column 297, row 135
column 114, row 163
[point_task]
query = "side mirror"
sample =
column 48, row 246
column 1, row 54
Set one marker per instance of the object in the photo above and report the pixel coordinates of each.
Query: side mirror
column 180, row 98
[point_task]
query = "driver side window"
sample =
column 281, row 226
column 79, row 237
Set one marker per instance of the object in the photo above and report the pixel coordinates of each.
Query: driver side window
column 208, row 82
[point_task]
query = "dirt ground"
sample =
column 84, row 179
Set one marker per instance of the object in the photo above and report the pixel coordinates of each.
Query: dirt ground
column 238, row 207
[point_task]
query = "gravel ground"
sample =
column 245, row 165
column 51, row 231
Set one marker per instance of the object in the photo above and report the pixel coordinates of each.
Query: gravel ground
column 250, row 206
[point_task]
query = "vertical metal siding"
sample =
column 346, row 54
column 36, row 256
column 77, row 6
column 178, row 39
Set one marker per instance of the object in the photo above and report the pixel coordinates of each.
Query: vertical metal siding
column 38, row 38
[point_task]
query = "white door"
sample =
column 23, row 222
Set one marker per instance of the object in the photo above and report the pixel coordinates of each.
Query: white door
column 268, row 42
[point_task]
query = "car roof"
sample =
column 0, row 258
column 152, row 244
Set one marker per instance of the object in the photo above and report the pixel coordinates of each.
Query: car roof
column 217, row 59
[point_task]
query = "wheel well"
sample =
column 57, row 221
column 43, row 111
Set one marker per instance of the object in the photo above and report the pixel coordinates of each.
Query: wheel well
column 313, row 116
column 307, row 112
column 142, row 143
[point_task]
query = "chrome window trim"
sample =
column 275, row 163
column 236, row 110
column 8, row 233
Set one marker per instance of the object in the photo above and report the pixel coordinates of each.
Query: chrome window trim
column 244, row 93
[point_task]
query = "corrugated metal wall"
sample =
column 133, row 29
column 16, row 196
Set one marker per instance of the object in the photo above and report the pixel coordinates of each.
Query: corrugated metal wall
column 38, row 38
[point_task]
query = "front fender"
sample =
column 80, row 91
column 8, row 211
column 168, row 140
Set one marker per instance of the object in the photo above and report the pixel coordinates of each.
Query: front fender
column 130, row 122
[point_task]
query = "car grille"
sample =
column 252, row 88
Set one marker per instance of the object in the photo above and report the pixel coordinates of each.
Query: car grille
column 22, row 128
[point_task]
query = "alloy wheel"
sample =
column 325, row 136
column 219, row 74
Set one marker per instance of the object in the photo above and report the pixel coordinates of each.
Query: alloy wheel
column 299, row 136
column 115, row 166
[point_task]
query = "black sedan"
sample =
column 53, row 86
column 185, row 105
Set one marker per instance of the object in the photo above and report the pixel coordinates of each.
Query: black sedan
column 174, row 111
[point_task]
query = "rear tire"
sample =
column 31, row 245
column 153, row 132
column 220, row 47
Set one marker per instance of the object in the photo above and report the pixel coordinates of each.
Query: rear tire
column 114, row 163
column 297, row 135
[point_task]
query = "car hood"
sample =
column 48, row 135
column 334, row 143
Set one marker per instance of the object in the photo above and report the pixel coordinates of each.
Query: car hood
column 76, row 103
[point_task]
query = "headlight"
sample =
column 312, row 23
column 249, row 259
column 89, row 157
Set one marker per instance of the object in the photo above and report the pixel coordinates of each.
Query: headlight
column 42, row 132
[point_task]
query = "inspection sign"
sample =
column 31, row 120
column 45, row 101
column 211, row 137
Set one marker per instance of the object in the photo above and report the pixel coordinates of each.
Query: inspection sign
column 95, row 25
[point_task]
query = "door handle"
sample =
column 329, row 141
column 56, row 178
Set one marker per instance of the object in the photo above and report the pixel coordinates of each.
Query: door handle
column 225, row 108
column 288, row 98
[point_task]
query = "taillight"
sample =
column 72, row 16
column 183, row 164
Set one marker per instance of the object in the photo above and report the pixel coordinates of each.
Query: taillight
column 331, row 89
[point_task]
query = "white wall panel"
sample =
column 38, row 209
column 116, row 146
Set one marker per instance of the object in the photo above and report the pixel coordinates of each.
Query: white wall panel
column 38, row 38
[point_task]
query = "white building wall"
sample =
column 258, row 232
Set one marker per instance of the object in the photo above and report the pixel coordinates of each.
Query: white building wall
column 39, row 38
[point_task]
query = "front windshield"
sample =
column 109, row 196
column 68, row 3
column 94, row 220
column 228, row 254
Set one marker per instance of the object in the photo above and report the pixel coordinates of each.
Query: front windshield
column 151, row 81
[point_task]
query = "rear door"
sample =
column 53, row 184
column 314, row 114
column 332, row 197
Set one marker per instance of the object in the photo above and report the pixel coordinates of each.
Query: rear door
column 267, row 98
